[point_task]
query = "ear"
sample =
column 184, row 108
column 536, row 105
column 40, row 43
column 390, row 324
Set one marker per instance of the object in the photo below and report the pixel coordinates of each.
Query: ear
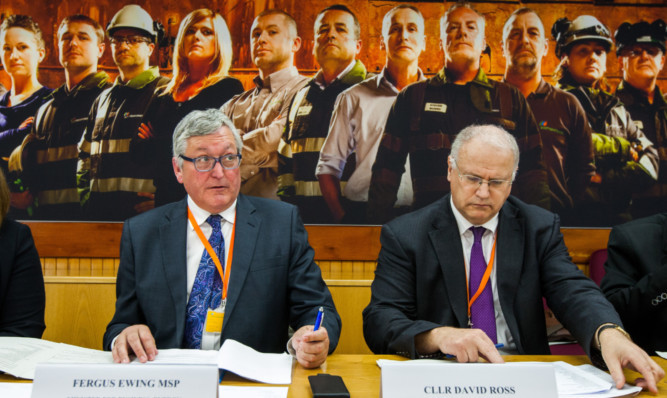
column 177, row 170
column 151, row 47
column 662, row 62
column 101, row 48
column 383, row 45
column 358, row 47
column 620, row 63
column 296, row 44
column 42, row 54
column 449, row 168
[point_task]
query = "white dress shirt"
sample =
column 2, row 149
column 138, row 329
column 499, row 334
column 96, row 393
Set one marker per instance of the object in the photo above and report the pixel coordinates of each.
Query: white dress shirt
column 195, row 247
column 357, row 124
column 467, row 239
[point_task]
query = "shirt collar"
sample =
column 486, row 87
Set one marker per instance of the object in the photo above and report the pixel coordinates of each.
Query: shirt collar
column 464, row 225
column 277, row 79
column 319, row 77
column 382, row 79
column 201, row 215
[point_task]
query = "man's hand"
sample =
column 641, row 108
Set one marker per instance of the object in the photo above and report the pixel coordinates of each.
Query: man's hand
column 311, row 346
column 619, row 352
column 135, row 339
column 467, row 345
column 27, row 123
column 21, row 200
column 146, row 131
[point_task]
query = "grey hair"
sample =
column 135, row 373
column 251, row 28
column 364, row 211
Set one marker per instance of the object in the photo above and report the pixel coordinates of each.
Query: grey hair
column 492, row 135
column 201, row 123
column 445, row 17
column 386, row 21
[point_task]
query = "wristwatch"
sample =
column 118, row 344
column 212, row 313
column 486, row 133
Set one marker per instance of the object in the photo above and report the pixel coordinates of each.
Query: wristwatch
column 609, row 326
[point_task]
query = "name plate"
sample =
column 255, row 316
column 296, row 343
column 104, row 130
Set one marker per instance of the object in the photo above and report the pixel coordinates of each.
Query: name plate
column 432, row 378
column 124, row 381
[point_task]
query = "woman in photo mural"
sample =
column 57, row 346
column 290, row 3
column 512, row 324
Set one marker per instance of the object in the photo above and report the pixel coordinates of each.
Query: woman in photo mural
column 202, row 58
column 626, row 161
column 23, row 49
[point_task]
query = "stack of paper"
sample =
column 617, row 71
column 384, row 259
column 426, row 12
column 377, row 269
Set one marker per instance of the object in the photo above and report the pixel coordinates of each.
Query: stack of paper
column 20, row 355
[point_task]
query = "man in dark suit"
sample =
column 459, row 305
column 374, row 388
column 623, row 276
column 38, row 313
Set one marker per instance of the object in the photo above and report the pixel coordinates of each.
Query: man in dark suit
column 163, row 297
column 635, row 281
column 422, row 305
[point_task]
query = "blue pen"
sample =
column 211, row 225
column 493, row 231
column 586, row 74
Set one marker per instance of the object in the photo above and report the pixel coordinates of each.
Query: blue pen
column 318, row 321
column 450, row 356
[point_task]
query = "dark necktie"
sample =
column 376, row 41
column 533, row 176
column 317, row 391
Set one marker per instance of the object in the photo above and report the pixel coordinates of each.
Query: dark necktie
column 481, row 312
column 207, row 288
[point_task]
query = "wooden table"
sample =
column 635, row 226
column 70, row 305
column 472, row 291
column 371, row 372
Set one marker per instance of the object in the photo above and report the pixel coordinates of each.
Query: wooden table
column 362, row 376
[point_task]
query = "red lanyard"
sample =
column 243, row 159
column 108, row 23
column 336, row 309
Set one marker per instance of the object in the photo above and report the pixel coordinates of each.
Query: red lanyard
column 483, row 282
column 214, row 256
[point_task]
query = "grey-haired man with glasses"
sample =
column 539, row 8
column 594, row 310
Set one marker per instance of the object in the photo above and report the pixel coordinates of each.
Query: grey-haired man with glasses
column 465, row 275
column 178, row 262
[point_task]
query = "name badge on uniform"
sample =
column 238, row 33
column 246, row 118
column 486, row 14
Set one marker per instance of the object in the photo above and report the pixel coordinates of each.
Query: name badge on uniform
column 304, row 110
column 434, row 107
column 639, row 124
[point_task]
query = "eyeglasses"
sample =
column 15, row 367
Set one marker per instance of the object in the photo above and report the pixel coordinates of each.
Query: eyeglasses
column 207, row 163
column 130, row 40
column 471, row 181
column 637, row 52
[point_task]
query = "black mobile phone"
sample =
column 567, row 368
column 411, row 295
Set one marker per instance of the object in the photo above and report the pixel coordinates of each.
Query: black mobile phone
column 325, row 385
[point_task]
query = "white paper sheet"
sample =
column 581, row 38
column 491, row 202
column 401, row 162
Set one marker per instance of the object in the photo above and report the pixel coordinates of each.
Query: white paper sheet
column 20, row 355
column 184, row 357
column 584, row 381
column 15, row 390
column 627, row 389
column 253, row 392
column 662, row 354
column 246, row 362
column 571, row 380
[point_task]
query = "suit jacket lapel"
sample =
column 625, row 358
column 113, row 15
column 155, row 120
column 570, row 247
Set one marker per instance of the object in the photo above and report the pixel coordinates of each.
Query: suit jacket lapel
column 173, row 241
column 509, row 263
column 247, row 229
column 446, row 243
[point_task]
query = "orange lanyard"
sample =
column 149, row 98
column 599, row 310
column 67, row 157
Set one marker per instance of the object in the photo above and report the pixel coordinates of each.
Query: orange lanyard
column 214, row 256
column 483, row 282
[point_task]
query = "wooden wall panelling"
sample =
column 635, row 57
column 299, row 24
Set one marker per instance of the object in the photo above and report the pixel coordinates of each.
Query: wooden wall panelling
column 79, row 309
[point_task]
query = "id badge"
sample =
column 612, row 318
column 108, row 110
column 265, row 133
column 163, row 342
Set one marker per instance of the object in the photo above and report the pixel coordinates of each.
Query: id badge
column 210, row 339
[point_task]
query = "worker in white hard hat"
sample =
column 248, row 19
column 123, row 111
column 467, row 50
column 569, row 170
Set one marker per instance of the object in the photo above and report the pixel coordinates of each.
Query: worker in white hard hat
column 626, row 161
column 111, row 186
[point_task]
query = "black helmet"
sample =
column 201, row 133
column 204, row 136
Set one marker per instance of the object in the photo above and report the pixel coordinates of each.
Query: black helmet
column 584, row 27
column 641, row 33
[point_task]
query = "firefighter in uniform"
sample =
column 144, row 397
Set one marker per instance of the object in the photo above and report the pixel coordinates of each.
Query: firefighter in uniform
column 626, row 161
column 111, row 186
column 336, row 46
column 59, row 123
column 427, row 116
column 640, row 49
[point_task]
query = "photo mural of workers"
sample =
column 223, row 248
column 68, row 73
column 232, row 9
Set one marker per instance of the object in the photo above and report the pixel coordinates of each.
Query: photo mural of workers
column 349, row 113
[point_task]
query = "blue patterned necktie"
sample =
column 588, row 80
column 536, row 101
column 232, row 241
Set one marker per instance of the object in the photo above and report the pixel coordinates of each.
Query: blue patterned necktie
column 481, row 312
column 207, row 289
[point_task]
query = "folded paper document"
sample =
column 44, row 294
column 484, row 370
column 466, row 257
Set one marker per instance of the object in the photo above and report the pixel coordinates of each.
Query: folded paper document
column 20, row 355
